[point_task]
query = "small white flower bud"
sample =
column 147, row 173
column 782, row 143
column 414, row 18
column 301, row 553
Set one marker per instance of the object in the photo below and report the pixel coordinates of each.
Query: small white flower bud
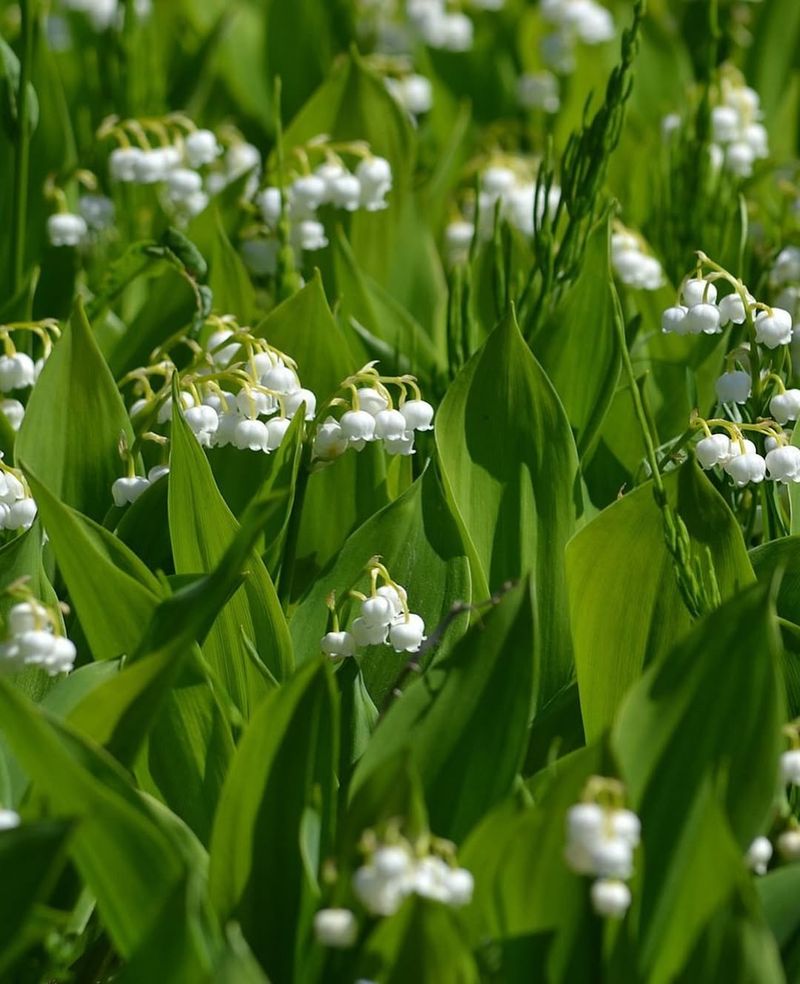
column 281, row 379
column 269, row 204
column 375, row 176
column 336, row 928
column 725, row 124
column 14, row 413
column 610, row 898
column 626, row 825
column 758, row 855
column 391, row 861
column 9, row 819
column 460, row 887
column 123, row 163
column 739, row 158
column 788, row 847
column 376, row 610
column 790, row 766
column 65, row 229
column 457, row 241
column 308, row 235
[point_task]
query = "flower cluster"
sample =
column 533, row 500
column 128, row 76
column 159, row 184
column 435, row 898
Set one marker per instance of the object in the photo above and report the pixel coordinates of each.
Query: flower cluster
column 584, row 21
column 34, row 639
column 18, row 370
column 440, row 27
column 739, row 139
column 238, row 390
column 634, row 266
column 384, row 619
column 397, row 868
column 601, row 839
column 329, row 183
column 508, row 187
column 17, row 507
column 370, row 415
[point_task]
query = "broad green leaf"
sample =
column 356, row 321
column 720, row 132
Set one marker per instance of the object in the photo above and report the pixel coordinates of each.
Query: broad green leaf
column 129, row 861
column 263, row 871
column 510, row 465
column 623, row 593
column 201, row 527
column 739, row 949
column 419, row 543
column 695, row 779
column 113, row 592
column 772, row 55
column 73, row 423
column 577, row 346
column 32, row 857
column 465, row 722
column 422, row 942
column 778, row 892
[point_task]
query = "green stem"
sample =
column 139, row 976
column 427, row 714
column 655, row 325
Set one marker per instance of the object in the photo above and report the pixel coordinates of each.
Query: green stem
column 293, row 535
column 22, row 151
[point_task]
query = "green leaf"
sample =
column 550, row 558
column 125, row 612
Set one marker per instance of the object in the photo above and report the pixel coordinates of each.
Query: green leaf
column 32, row 857
column 698, row 741
column 229, row 281
column 73, row 423
column 422, row 942
column 465, row 723
column 771, row 58
column 577, row 346
column 113, row 592
column 201, row 527
column 419, row 543
column 624, row 599
column 129, row 861
column 510, row 465
column 262, row 874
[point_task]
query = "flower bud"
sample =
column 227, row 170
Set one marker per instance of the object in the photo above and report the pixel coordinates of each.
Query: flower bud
column 774, row 328
column 65, row 229
column 126, row 490
column 292, row 402
column 698, row 291
column 758, row 855
column 612, row 857
column 418, row 415
column 368, row 635
column 201, row 148
column 733, row 387
column 358, row 425
column 673, row 320
column 375, row 176
column 406, row 634
column 747, row 467
column 338, row 644
column 336, row 928
column 713, row 450
column 790, row 766
column 251, row 435
column 788, row 846
column 783, row 463
column 610, row 898
column 783, row 406
column 702, row 318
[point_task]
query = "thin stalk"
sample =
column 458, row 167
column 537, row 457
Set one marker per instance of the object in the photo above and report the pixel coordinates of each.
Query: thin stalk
column 292, row 536
column 19, row 216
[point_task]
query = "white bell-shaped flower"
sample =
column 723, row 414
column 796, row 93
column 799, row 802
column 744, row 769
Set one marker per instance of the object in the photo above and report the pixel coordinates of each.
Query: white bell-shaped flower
column 308, row 193
column 366, row 634
column 157, row 472
column 375, row 177
column 784, row 406
column 702, row 319
column 392, row 861
column 378, row 895
column 739, row 158
column 585, row 822
column 269, row 204
column 281, row 379
column 66, row 229
column 733, row 387
column 128, row 489
column 11, row 489
column 26, row 616
column 330, row 171
column 698, row 291
column 221, row 354
column 418, row 415
column 229, row 420
column 371, row 400
column 758, row 855
column 201, row 148
column 458, row 237
column 396, row 596
column 390, row 424
column 9, row 819
column 276, row 431
column 403, row 445
column 336, row 928
column 611, row 898
column 358, row 425
column 16, row 371
column 183, row 182
column 329, row 441
column 732, row 310
column 14, row 412
column 673, row 320
column 253, row 403
column 725, row 124
column 774, row 328
column 626, row 825
column 251, row 435
column 338, row 644
column 308, row 235
column 61, row 658
column 612, row 857
column 745, row 468
column 123, row 163
column 407, row 633
column 21, row 514
column 203, row 422
column 345, row 192
column 293, row 401
column 431, row 879
column 377, row 610
column 790, row 767
column 783, row 463
column 460, row 887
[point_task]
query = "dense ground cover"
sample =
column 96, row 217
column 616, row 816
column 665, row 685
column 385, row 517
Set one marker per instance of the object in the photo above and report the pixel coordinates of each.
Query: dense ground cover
column 399, row 511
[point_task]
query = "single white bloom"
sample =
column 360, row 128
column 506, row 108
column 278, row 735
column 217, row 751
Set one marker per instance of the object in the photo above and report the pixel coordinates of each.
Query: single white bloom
column 731, row 308
column 329, row 441
column 281, row 379
column 251, row 435
column 338, row 644
column 610, row 898
column 783, row 463
column 371, row 400
column 128, row 489
column 774, row 327
column 418, row 415
column 14, row 413
column 788, row 847
column 702, row 318
column 375, row 176
column 674, row 320
column 276, row 430
column 201, row 148
column 739, row 158
column 21, row 514
column 292, row 402
column 460, row 887
column 66, row 229
column 790, row 766
column 785, row 406
column 366, row 634
column 747, row 467
column 308, row 235
column 390, row 424
column 336, row 928
column 345, row 192
column 758, row 855
column 269, row 204
column 698, row 291
column 406, row 634
column 713, row 450
column 626, row 825
column 612, row 857
column 377, row 610
column 123, row 163
column 725, row 124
